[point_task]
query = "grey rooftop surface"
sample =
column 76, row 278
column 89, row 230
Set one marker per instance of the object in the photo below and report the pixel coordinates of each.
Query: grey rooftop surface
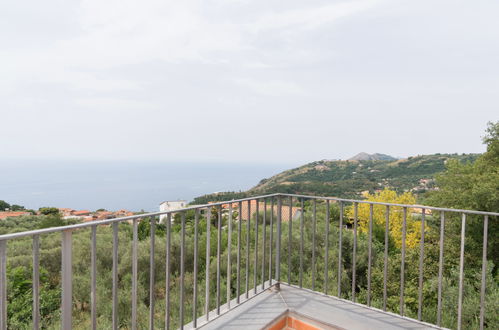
column 268, row 305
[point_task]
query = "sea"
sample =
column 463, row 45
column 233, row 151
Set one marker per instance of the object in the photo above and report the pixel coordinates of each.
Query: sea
column 115, row 185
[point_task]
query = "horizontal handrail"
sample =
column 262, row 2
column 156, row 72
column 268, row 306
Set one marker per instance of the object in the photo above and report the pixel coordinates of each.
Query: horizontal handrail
column 197, row 207
column 418, row 206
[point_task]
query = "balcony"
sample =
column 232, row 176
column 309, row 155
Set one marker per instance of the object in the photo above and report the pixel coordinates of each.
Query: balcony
column 278, row 261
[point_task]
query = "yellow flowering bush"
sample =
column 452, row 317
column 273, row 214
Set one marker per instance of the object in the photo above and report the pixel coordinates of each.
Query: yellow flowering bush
column 413, row 227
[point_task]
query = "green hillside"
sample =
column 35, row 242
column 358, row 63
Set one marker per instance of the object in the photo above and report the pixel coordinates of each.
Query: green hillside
column 349, row 178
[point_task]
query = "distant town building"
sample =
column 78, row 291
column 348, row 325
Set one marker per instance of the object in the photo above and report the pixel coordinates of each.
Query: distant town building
column 167, row 206
column 7, row 214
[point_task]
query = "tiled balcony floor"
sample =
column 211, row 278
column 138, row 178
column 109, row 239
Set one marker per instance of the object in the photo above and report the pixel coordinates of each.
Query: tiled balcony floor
column 265, row 309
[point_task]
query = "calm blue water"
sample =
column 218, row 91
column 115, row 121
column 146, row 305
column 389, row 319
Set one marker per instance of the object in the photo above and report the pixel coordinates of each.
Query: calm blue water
column 118, row 185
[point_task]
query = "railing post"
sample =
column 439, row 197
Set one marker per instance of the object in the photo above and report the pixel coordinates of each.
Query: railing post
column 278, row 243
column 67, row 276
column 3, row 285
column 134, row 272
column 36, row 282
column 152, row 269
column 484, row 271
column 461, row 273
column 195, row 288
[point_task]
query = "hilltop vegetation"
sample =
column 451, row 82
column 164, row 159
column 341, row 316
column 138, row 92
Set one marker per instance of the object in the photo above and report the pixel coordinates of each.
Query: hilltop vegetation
column 349, row 178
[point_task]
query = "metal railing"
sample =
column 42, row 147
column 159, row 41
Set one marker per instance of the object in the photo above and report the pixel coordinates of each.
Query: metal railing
column 265, row 218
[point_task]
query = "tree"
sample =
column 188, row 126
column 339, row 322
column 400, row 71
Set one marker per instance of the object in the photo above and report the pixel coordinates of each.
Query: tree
column 474, row 186
column 49, row 210
column 4, row 205
column 395, row 219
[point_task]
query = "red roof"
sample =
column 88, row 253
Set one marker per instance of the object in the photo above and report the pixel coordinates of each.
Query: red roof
column 83, row 212
column 4, row 215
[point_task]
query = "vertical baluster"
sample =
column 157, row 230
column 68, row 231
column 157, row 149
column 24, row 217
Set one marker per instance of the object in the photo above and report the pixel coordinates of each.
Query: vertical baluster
column 340, row 247
column 238, row 271
column 151, row 271
column 115, row 275
column 278, row 241
column 255, row 266
column 440, row 268
column 326, row 247
column 67, row 279
column 264, row 231
column 421, row 260
column 36, row 282
column 219, row 249
column 314, row 229
column 168, row 269
column 385, row 261
column 93, row 277
column 248, row 224
column 182, row 270
column 301, row 242
column 290, row 229
column 195, row 275
column 402, row 263
column 370, row 258
column 271, row 238
column 3, row 285
column 229, row 252
column 354, row 252
column 208, row 252
column 484, row 271
column 461, row 273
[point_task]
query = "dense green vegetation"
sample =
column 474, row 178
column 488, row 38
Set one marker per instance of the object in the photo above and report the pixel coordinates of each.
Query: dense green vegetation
column 464, row 185
column 351, row 177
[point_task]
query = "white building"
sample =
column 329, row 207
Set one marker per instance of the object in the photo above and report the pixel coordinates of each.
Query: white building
column 170, row 206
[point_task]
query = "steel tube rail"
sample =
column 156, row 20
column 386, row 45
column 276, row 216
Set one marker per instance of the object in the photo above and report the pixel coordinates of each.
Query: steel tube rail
column 134, row 273
column 3, row 285
column 340, row 246
column 264, row 243
column 354, row 252
column 66, row 278
column 301, row 243
column 229, row 265
column 370, row 258
column 93, row 278
column 219, row 250
column 182, row 270
column 111, row 221
column 385, row 255
column 195, row 275
column 433, row 208
column 207, row 269
column 461, row 273
column 314, row 229
column 271, row 238
column 168, row 270
column 121, row 219
column 326, row 245
column 255, row 265
column 421, row 261
column 115, row 276
column 36, row 282
column 484, row 271
column 440, row 267
column 278, row 241
column 238, row 270
column 152, row 267
column 248, row 228
column 290, row 235
column 402, row 262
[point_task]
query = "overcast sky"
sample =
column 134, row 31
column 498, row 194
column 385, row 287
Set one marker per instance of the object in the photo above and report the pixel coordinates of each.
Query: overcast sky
column 246, row 80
